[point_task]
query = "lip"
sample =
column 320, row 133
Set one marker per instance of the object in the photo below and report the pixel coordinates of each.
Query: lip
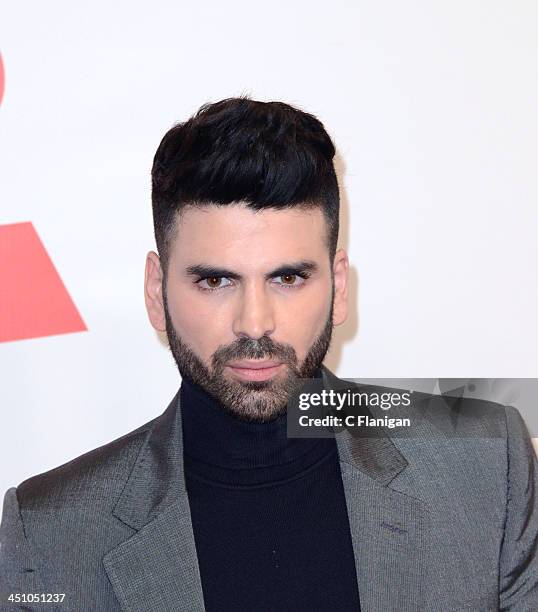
column 255, row 370
column 254, row 364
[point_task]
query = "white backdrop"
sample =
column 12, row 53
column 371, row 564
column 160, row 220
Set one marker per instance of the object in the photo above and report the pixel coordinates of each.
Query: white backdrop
column 432, row 106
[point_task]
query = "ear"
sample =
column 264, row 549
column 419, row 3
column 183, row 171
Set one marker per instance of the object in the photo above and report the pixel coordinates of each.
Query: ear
column 340, row 274
column 153, row 287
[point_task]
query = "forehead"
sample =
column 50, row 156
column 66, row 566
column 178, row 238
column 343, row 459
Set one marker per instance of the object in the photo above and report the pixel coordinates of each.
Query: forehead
column 236, row 231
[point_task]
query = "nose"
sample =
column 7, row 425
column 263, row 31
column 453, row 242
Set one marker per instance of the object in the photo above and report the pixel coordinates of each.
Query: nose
column 255, row 316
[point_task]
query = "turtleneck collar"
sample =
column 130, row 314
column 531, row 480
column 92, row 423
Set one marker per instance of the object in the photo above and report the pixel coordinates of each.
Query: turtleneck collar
column 238, row 451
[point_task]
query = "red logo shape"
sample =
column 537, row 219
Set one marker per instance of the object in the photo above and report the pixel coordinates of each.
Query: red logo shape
column 2, row 79
column 33, row 299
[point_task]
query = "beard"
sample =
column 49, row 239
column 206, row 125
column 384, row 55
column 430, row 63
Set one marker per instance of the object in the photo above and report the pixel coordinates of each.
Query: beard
column 255, row 401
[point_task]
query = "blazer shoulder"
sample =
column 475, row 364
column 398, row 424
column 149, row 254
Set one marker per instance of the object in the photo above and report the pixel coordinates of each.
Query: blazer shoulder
column 99, row 473
column 463, row 416
column 432, row 415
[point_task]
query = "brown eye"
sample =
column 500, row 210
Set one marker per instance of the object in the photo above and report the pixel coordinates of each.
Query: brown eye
column 213, row 281
column 291, row 280
column 288, row 279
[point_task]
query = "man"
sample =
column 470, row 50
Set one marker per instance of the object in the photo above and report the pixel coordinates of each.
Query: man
column 211, row 506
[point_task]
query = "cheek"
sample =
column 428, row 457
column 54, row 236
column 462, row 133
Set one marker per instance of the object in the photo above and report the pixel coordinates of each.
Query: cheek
column 200, row 324
column 303, row 322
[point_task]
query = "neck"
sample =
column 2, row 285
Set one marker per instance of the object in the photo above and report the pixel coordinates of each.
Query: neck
column 213, row 436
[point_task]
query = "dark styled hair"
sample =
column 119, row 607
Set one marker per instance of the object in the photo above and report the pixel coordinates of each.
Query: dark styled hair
column 264, row 154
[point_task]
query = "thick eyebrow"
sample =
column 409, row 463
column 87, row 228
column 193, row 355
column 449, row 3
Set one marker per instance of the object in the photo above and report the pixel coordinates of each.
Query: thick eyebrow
column 295, row 267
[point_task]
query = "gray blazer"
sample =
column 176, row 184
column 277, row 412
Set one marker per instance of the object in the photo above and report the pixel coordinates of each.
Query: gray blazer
column 439, row 522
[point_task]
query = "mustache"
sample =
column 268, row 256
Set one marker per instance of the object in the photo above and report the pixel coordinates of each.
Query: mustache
column 250, row 348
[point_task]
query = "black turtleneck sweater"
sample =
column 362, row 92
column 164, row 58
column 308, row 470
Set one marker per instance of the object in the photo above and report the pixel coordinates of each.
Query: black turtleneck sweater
column 268, row 513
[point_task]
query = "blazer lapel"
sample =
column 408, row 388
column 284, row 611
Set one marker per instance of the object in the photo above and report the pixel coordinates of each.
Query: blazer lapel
column 388, row 527
column 157, row 567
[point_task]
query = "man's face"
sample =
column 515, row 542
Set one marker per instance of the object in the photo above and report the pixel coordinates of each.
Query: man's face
column 247, row 303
